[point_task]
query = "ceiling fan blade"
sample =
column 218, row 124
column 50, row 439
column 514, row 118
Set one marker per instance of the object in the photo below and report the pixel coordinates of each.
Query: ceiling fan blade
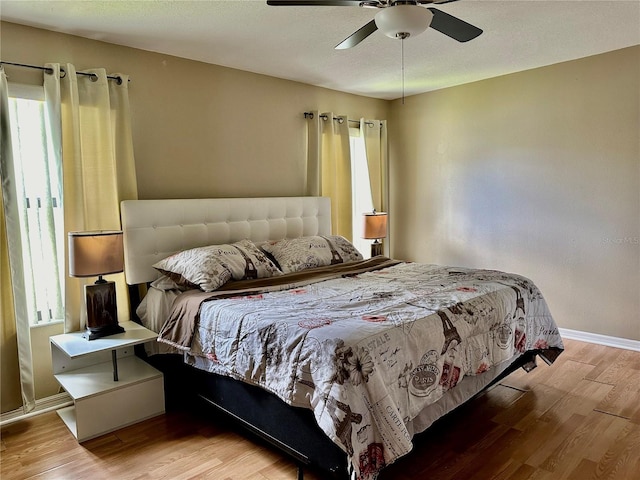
column 318, row 3
column 453, row 27
column 358, row 36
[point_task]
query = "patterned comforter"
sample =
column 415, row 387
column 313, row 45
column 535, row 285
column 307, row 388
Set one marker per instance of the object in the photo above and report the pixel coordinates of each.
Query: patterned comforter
column 368, row 347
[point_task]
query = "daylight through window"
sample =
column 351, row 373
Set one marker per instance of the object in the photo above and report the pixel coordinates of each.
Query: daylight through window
column 39, row 198
column 361, row 190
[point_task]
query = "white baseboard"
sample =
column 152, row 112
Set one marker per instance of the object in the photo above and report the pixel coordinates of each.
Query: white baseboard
column 600, row 339
column 43, row 405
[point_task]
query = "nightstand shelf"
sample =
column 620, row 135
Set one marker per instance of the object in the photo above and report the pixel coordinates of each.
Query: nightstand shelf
column 85, row 369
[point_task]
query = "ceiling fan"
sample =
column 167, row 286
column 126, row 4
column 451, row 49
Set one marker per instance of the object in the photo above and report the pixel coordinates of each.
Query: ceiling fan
column 397, row 19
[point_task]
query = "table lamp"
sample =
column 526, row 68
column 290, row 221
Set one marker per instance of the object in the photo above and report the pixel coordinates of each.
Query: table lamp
column 375, row 227
column 93, row 254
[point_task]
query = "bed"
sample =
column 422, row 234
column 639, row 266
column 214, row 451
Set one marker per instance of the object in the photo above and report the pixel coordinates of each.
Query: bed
column 337, row 360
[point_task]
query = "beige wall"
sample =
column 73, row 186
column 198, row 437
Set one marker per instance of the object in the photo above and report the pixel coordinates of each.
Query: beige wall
column 537, row 173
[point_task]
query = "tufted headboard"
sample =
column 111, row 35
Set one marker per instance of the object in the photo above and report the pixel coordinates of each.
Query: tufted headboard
column 155, row 229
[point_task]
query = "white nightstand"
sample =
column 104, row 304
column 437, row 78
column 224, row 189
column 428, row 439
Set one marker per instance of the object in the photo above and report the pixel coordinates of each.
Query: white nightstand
column 110, row 386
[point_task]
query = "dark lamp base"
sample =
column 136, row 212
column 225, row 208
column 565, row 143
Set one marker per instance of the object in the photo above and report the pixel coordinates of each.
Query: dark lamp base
column 102, row 312
column 377, row 248
column 93, row 333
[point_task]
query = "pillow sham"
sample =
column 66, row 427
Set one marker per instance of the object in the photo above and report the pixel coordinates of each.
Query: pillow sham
column 296, row 254
column 208, row 268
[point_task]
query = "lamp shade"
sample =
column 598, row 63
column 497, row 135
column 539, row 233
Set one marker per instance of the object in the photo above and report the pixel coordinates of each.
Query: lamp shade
column 375, row 225
column 95, row 253
column 401, row 21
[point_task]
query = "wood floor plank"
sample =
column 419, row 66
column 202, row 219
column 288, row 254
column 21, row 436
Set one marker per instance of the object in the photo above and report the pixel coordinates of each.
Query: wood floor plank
column 578, row 419
column 569, row 376
column 496, row 400
column 584, row 471
column 607, row 431
column 621, row 459
column 614, row 370
column 624, row 398
column 560, row 435
column 569, row 453
column 526, row 410
column 583, row 399
column 588, row 352
column 516, row 471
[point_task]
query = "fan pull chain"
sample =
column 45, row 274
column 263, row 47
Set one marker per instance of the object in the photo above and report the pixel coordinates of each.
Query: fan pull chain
column 402, row 69
column 402, row 36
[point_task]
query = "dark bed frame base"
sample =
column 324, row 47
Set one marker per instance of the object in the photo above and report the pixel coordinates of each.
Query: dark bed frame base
column 291, row 430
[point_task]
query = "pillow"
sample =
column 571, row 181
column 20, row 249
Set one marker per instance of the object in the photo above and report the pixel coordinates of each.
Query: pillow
column 165, row 283
column 208, row 268
column 195, row 268
column 294, row 255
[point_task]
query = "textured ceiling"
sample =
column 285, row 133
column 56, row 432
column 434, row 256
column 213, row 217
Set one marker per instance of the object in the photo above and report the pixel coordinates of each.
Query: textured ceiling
column 297, row 43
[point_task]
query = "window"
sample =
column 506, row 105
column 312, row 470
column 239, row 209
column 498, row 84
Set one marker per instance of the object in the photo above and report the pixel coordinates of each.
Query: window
column 39, row 200
column 362, row 200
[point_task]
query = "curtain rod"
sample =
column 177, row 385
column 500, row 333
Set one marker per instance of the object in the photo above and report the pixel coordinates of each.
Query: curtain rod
column 326, row 117
column 48, row 70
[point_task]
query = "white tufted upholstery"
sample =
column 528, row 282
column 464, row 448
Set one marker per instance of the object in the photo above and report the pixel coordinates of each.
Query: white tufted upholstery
column 155, row 229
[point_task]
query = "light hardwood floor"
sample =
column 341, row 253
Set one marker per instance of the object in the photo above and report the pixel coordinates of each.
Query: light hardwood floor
column 578, row 419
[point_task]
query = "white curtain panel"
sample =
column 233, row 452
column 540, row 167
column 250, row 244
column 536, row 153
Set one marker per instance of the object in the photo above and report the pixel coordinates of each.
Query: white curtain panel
column 374, row 133
column 12, row 238
column 329, row 167
column 96, row 151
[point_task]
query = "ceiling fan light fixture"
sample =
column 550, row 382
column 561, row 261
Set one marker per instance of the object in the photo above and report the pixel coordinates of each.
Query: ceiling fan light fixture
column 401, row 21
